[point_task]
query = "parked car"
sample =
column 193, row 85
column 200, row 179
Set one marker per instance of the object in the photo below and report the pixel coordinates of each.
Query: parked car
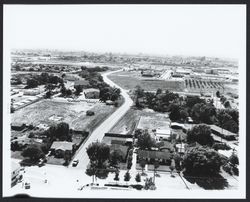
column 27, row 185
column 75, row 162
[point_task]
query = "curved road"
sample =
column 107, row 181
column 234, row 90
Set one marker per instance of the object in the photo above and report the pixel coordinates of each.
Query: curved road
column 99, row 132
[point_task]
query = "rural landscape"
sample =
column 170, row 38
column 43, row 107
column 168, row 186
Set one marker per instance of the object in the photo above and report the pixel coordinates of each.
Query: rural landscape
column 123, row 122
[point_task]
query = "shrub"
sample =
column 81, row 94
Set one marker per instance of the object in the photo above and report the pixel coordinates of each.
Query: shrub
column 129, row 165
column 127, row 176
column 117, row 176
column 138, row 177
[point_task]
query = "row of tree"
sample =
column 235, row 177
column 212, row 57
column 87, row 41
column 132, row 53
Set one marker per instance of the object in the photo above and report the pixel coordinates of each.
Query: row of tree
column 43, row 79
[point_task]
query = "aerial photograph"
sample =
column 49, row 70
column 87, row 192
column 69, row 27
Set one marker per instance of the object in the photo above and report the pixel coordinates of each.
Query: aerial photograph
column 124, row 101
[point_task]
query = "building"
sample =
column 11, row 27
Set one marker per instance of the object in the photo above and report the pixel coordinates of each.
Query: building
column 31, row 92
column 15, row 173
column 223, row 133
column 181, row 148
column 163, row 157
column 163, row 134
column 92, row 93
column 60, row 148
column 82, row 83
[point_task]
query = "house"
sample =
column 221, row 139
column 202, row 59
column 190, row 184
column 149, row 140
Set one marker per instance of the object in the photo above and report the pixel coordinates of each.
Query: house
column 15, row 173
column 163, row 157
column 121, row 149
column 162, row 134
column 109, row 102
column 165, row 146
column 60, row 148
column 82, row 83
column 223, row 133
column 181, row 148
column 92, row 93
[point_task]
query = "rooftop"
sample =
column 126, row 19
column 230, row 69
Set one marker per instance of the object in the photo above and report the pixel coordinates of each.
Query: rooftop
column 154, row 154
column 63, row 145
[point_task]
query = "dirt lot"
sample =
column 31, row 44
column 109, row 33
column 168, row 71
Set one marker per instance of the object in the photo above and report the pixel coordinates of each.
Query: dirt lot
column 50, row 112
column 131, row 118
column 128, row 80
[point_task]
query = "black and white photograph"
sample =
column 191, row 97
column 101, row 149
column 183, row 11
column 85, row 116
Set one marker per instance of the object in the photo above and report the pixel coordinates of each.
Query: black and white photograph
column 124, row 101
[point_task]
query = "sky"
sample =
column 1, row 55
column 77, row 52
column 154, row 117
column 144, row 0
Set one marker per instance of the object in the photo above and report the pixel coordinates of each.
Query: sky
column 208, row 30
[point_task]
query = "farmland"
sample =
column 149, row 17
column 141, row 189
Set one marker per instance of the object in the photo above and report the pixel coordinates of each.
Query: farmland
column 51, row 112
column 134, row 78
column 198, row 85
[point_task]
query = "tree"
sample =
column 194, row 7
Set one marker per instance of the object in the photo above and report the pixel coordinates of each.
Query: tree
column 232, row 126
column 116, row 178
column 32, row 83
column 138, row 177
column 159, row 91
column 174, row 112
column 48, row 94
column 234, row 160
column 223, row 99
column 143, row 164
column 115, row 158
column 202, row 161
column 201, row 134
column 223, row 118
column 78, row 90
column 33, row 152
column 227, row 104
column 59, row 132
column 145, row 141
column 129, row 163
column 218, row 94
column 98, row 153
column 183, row 114
column 127, row 176
column 191, row 101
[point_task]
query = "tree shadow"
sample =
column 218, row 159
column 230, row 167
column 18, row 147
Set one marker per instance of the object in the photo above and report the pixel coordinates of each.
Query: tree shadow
column 208, row 182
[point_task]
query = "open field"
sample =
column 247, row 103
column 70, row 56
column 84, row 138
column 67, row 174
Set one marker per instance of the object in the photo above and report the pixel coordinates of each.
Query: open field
column 51, row 112
column 131, row 119
column 129, row 80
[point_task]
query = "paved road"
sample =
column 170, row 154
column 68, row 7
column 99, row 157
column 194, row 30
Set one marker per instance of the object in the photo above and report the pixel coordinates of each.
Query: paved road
column 99, row 132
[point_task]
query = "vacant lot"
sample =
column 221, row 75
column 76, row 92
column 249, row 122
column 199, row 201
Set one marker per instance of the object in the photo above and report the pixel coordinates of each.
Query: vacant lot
column 130, row 120
column 52, row 112
column 128, row 80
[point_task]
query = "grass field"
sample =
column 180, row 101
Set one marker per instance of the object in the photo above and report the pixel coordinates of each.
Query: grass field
column 128, row 80
column 52, row 112
column 131, row 118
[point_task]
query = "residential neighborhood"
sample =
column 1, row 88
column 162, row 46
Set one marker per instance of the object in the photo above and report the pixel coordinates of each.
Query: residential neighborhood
column 87, row 123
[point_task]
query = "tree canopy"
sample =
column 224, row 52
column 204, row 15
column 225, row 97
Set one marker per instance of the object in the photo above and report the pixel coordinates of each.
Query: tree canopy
column 203, row 161
column 201, row 134
column 33, row 152
column 145, row 141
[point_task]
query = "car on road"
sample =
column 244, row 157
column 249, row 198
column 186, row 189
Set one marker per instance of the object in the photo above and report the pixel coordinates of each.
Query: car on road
column 75, row 162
